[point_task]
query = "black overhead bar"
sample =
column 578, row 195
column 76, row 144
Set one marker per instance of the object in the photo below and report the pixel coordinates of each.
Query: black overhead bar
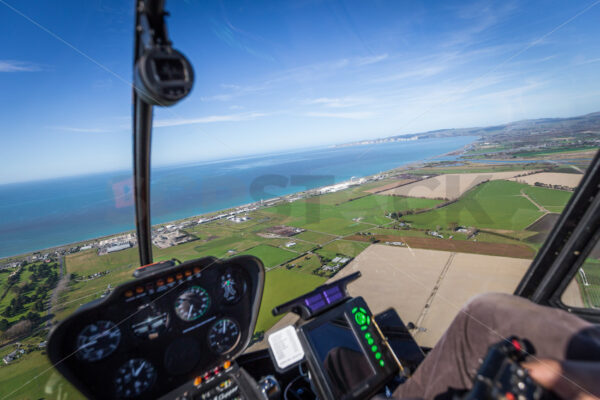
column 162, row 77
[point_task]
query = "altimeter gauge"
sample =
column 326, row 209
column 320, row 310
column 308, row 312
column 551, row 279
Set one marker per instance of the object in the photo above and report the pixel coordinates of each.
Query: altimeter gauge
column 192, row 303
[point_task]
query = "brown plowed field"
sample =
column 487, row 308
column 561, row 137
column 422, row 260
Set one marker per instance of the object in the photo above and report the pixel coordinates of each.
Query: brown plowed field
column 392, row 185
column 460, row 246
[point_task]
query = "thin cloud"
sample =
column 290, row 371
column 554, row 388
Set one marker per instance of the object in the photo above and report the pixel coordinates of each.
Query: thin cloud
column 342, row 115
column 208, row 119
column 18, row 66
column 339, row 102
column 79, row 129
column 371, row 60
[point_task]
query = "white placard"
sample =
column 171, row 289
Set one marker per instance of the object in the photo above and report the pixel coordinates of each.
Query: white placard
column 285, row 347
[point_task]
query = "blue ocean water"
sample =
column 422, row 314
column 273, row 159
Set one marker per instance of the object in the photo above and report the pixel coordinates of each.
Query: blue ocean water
column 38, row 215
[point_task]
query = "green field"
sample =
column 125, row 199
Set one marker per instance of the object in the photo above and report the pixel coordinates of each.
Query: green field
column 350, row 216
column 271, row 256
column 282, row 285
column 591, row 293
column 554, row 151
column 495, row 205
column 32, row 377
column 550, row 199
column 343, row 247
column 315, row 237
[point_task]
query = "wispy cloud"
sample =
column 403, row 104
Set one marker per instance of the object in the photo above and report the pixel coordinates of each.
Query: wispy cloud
column 370, row 60
column 79, row 129
column 18, row 66
column 339, row 102
column 208, row 119
column 342, row 115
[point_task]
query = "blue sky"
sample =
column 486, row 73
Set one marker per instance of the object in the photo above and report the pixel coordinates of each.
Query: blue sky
column 273, row 75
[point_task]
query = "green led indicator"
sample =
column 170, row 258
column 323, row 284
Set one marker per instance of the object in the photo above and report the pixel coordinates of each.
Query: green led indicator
column 378, row 355
column 360, row 318
column 354, row 310
column 381, row 363
column 368, row 335
column 362, row 310
column 373, row 348
column 370, row 341
column 363, row 328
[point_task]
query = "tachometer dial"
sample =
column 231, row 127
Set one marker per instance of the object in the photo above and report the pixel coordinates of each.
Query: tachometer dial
column 134, row 377
column 224, row 335
column 231, row 287
column 192, row 303
column 98, row 340
column 149, row 322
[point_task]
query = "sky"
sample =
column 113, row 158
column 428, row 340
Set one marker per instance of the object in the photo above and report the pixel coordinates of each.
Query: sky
column 278, row 75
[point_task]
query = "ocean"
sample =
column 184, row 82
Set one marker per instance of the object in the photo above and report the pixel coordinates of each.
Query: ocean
column 43, row 214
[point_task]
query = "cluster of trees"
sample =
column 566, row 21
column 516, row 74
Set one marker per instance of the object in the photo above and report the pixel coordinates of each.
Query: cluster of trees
column 21, row 328
column 42, row 280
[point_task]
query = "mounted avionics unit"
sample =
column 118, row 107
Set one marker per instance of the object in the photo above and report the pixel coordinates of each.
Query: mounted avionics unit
column 346, row 353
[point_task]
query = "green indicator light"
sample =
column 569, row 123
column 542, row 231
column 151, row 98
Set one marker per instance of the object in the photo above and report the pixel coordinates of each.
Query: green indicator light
column 370, row 341
column 360, row 318
column 368, row 320
column 354, row 310
column 378, row 355
column 373, row 348
column 362, row 310
column 363, row 328
column 368, row 335
column 381, row 363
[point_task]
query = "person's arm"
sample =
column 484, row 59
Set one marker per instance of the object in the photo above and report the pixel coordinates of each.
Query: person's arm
column 577, row 380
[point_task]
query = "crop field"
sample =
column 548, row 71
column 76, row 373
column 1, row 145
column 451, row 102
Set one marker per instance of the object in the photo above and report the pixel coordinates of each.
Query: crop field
column 350, row 216
column 591, row 292
column 282, row 285
column 269, row 255
column 475, row 168
column 450, row 186
column 495, row 205
column 555, row 151
column 550, row 199
column 315, row 237
column 552, row 178
column 342, row 247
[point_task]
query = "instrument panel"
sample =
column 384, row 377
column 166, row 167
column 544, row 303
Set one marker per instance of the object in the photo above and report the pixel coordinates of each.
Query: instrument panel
column 157, row 332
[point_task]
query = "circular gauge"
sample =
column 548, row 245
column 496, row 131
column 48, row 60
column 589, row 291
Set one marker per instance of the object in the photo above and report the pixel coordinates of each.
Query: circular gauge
column 231, row 287
column 224, row 335
column 134, row 377
column 192, row 303
column 98, row 340
column 149, row 322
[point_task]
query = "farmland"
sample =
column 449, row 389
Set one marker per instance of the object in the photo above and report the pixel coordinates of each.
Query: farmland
column 495, row 205
column 340, row 224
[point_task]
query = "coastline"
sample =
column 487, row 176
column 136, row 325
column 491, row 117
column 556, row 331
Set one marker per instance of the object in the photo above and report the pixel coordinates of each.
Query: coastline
column 389, row 173
column 259, row 204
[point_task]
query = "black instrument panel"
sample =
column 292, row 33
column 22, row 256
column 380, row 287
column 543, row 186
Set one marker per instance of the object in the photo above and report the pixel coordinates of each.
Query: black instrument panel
column 155, row 333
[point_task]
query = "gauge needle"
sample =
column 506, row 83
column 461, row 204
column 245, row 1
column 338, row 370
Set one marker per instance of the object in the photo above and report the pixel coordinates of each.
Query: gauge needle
column 190, row 311
column 137, row 371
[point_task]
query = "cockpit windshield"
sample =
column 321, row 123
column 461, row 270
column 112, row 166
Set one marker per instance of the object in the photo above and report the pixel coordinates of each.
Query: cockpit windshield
column 432, row 146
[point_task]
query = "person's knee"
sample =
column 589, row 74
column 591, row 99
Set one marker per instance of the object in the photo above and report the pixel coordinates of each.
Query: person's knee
column 483, row 304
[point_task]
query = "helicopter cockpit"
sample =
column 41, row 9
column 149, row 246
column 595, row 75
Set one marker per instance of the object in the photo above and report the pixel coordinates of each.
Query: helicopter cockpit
column 184, row 330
